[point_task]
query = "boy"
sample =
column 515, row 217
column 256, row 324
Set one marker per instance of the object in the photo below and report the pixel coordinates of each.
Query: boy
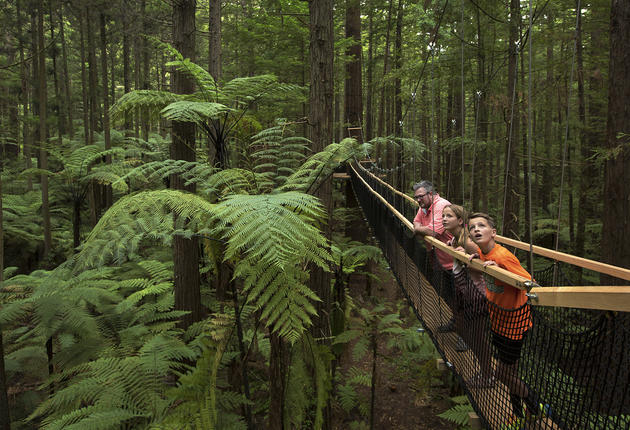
column 510, row 314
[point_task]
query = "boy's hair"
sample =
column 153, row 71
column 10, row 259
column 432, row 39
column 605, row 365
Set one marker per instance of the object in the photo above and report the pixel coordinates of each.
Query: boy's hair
column 462, row 214
column 485, row 216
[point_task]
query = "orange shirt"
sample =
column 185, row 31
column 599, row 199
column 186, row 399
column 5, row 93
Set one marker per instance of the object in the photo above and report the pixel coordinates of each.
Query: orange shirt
column 506, row 321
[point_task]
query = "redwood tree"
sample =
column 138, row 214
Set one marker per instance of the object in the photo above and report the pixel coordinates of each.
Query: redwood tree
column 185, row 251
column 616, row 228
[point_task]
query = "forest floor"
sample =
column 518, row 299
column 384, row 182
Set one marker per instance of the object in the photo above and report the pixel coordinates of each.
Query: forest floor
column 409, row 394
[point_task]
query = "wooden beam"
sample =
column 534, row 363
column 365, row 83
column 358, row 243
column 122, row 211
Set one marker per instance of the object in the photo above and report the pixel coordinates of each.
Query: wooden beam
column 617, row 272
column 611, row 298
column 341, row 176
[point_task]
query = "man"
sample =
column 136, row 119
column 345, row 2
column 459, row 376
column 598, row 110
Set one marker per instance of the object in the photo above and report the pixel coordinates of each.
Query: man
column 428, row 222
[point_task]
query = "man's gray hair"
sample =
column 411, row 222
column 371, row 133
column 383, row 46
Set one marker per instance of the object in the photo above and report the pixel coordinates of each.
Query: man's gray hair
column 428, row 186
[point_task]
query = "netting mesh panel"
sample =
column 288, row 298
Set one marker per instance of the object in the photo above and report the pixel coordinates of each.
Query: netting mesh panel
column 573, row 363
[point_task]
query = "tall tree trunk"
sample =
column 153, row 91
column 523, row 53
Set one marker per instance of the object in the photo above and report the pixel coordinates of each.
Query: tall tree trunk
column 126, row 63
column 398, row 118
column 369, row 117
column 616, row 229
column 277, row 377
column 353, row 105
column 67, row 89
column 214, row 43
column 107, row 189
column 144, row 76
column 84, row 83
column 5, row 419
column 57, row 105
column 510, row 209
column 185, row 251
column 547, row 111
column 380, row 125
column 26, row 135
column 584, row 208
column 43, row 133
column 321, row 121
column 92, row 79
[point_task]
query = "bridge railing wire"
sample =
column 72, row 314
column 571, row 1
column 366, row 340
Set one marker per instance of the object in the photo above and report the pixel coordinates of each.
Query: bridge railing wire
column 574, row 362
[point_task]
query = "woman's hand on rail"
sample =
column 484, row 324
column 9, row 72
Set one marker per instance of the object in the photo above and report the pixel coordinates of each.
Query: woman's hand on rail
column 471, row 257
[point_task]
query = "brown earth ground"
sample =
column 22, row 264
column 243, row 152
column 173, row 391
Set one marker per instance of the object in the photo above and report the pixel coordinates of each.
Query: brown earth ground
column 403, row 401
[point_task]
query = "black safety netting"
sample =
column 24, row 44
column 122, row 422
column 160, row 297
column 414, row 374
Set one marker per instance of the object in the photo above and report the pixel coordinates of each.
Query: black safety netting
column 528, row 367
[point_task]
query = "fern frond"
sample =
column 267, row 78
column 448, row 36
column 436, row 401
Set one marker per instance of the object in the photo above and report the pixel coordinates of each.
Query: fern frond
column 193, row 111
column 151, row 100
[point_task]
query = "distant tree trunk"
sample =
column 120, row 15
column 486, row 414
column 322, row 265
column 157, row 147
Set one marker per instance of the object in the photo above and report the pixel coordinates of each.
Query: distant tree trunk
column 583, row 209
column 185, row 251
column 510, row 210
column 369, row 117
column 320, row 119
column 126, row 63
column 400, row 158
column 57, row 105
column 214, row 42
column 144, row 76
column 92, row 80
column 5, row 419
column 84, row 83
column 277, row 377
column 43, row 133
column 616, row 229
column 66, row 77
column 353, row 105
column 547, row 112
column 26, row 135
column 380, row 125
column 107, row 189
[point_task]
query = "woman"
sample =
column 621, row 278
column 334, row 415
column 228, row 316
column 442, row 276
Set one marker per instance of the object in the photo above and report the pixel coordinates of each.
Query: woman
column 470, row 292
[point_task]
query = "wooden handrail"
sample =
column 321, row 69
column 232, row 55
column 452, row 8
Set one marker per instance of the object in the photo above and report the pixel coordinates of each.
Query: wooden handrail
column 596, row 266
column 612, row 298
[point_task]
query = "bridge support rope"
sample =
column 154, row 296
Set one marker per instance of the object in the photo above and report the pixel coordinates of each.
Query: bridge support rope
column 576, row 361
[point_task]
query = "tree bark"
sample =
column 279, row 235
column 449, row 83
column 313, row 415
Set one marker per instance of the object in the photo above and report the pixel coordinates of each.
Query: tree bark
column 400, row 156
column 43, row 133
column 185, row 251
column 369, row 117
column 616, row 229
column 66, row 77
column 126, row 63
column 321, row 121
column 5, row 419
column 214, row 43
column 107, row 189
column 583, row 208
column 353, row 104
column 510, row 210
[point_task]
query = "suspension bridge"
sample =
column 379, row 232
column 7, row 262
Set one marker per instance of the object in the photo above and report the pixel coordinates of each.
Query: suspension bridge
column 575, row 357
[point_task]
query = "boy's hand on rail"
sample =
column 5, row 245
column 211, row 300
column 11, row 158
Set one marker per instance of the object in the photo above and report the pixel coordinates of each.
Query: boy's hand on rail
column 489, row 263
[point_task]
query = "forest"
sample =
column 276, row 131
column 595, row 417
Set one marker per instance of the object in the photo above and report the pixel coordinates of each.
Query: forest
column 174, row 251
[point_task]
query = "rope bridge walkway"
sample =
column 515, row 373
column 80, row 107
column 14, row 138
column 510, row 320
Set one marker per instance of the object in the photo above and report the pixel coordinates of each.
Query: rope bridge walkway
column 568, row 345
